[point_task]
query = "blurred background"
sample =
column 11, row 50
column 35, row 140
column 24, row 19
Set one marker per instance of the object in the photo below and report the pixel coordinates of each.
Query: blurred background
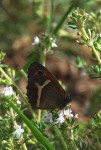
column 21, row 21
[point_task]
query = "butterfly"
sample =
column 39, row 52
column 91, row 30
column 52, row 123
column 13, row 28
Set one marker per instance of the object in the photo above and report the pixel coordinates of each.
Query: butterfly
column 43, row 89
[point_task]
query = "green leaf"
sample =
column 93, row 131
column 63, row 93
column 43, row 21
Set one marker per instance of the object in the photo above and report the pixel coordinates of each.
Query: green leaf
column 71, row 25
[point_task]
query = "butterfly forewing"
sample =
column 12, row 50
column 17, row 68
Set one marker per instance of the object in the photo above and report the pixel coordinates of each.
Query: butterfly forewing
column 43, row 90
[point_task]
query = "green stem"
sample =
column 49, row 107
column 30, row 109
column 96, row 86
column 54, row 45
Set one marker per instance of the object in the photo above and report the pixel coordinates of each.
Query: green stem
column 50, row 17
column 64, row 17
column 24, row 146
column 64, row 144
column 19, row 91
column 96, row 54
column 43, row 62
column 12, row 144
column 31, row 126
column 84, row 33
column 72, row 138
column 39, row 115
column 12, row 117
column 93, row 48
column 23, row 73
column 15, row 123
column 5, row 75
column 43, row 7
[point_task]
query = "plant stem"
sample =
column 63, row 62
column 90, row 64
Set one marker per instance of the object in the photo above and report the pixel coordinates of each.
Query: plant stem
column 72, row 138
column 96, row 54
column 93, row 48
column 39, row 115
column 12, row 116
column 15, row 124
column 24, row 146
column 5, row 75
column 23, row 73
column 47, row 145
column 60, row 23
column 84, row 33
column 11, row 144
column 43, row 61
column 50, row 17
column 19, row 91
column 64, row 144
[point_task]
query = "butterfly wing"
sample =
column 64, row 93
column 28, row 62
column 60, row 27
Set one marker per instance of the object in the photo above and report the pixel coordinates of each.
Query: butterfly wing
column 43, row 89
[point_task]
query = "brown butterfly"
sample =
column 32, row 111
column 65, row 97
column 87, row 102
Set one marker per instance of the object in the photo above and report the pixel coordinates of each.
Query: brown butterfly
column 43, row 89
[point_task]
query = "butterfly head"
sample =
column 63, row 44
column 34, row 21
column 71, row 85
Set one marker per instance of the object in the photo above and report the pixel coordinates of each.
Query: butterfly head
column 68, row 99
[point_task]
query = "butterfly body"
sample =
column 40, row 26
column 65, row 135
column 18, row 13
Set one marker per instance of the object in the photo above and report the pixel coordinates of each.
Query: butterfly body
column 43, row 90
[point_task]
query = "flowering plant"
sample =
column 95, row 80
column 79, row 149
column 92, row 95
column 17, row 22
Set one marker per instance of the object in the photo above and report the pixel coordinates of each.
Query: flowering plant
column 24, row 128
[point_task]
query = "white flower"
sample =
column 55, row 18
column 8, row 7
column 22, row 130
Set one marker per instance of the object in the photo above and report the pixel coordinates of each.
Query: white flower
column 48, row 117
column 18, row 131
column 54, row 44
column 65, row 115
column 100, row 35
column 82, row 73
column 8, row 91
column 76, row 116
column 36, row 41
column 86, row 14
column 68, row 113
column 60, row 119
column 17, row 99
column 77, row 41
